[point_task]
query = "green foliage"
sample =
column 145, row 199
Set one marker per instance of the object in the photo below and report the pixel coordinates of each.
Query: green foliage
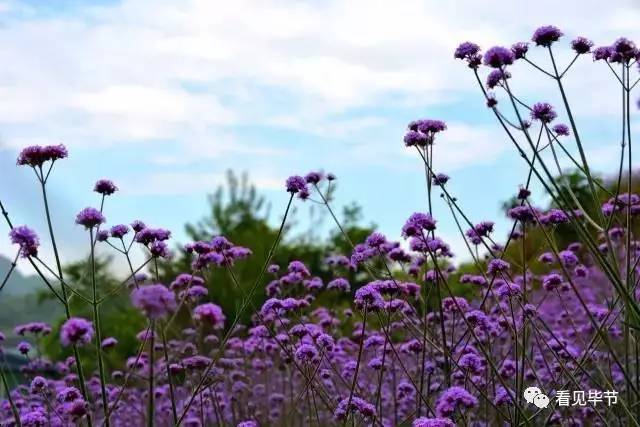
column 239, row 213
column 118, row 317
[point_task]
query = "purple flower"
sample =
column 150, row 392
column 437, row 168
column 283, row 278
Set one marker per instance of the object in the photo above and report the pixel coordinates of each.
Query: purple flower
column 602, row 53
column 413, row 137
column 375, row 240
column 495, row 77
column 428, row 126
column 148, row 235
column 24, row 347
column 138, row 226
column 519, row 49
column 544, row 112
column 561, row 129
column 466, row 50
column 306, row 353
column 102, row 236
column 155, row 301
column 38, row 384
column 37, row 155
column 109, row 342
column 296, row 184
column 354, row 404
column 496, row 266
column 417, row 223
column 27, row 239
column 454, row 398
column 581, row 45
column 211, row 314
column 76, row 331
column 440, row 179
column 35, row 418
column 433, row 422
column 105, row 187
column 90, row 217
column 469, row 52
column 623, row 50
column 552, row 281
column 368, row 297
column 546, row 35
column 340, row 284
column 313, row 177
column 498, row 57
column 522, row 213
column 119, row 231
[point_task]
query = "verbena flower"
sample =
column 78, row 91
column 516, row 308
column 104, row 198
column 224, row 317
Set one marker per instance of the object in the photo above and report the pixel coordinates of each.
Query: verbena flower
column 37, row 155
column 295, row 184
column 433, row 422
column 105, row 187
column 546, row 35
column 76, row 331
column 469, row 52
column 119, row 231
column 89, row 218
column 544, row 112
column 209, row 314
column 581, row 45
column 520, row 49
column 27, row 239
column 454, row 398
column 561, row 129
column 498, row 57
column 155, row 301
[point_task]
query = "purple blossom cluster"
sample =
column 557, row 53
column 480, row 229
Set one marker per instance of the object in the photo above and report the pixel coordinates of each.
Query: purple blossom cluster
column 395, row 333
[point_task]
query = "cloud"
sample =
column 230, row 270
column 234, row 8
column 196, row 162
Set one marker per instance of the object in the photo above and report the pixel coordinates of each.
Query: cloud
column 142, row 70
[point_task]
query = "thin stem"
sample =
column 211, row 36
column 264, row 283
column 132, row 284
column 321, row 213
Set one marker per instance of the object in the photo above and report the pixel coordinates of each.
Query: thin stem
column 98, row 336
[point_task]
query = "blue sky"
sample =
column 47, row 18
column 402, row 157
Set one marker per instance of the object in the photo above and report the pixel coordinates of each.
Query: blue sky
column 164, row 96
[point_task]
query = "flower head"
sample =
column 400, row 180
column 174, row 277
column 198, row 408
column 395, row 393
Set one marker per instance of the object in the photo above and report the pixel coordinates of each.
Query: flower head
column 155, row 301
column 561, row 129
column 90, row 217
column 498, row 57
column 105, row 187
column 296, row 184
column 581, row 45
column 27, row 239
column 119, row 231
column 519, row 49
column 454, row 398
column 469, row 52
column 211, row 314
column 433, row 422
column 37, row 155
column 496, row 77
column 546, row 35
column 76, row 331
column 602, row 53
column 544, row 112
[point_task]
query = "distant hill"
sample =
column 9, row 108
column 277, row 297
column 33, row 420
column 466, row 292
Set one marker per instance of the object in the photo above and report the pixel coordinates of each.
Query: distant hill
column 19, row 302
column 18, row 284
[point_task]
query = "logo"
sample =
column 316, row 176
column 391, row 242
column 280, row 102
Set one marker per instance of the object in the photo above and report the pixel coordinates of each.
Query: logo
column 534, row 395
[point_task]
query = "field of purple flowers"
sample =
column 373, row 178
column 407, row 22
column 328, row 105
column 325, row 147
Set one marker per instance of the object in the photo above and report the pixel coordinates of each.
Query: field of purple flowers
column 407, row 351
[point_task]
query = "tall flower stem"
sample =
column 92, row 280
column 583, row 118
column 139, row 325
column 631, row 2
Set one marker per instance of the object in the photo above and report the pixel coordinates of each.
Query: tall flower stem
column 174, row 410
column 355, row 374
column 243, row 307
column 14, row 409
column 98, row 339
column 67, row 311
column 151, row 402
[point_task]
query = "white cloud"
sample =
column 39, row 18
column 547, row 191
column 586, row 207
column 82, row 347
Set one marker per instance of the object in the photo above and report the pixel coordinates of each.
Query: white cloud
column 195, row 71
